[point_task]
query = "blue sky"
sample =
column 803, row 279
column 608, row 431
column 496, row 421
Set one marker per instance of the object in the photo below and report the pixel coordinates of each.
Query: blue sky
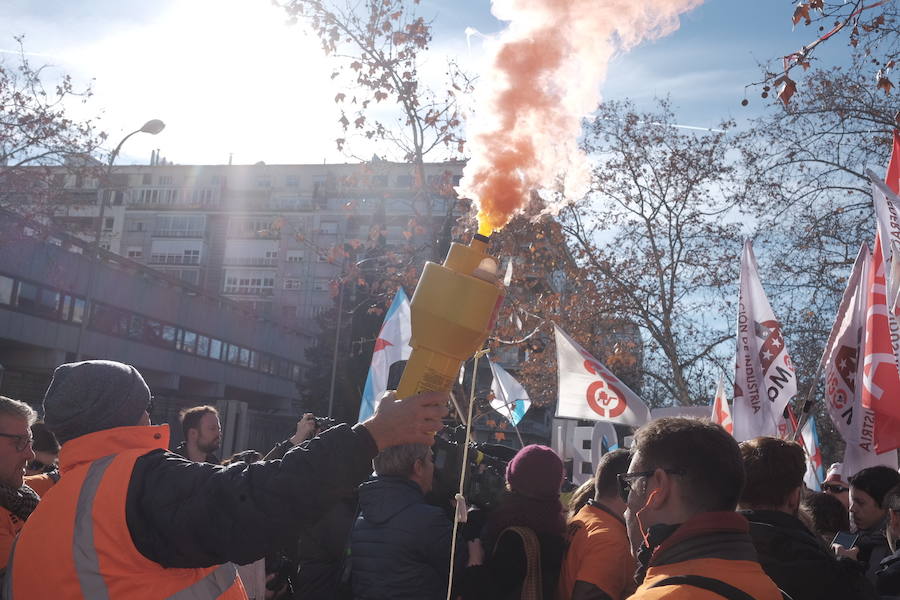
column 227, row 76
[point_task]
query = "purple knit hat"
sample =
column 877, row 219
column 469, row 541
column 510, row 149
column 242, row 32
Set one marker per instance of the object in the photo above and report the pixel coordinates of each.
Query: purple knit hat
column 535, row 471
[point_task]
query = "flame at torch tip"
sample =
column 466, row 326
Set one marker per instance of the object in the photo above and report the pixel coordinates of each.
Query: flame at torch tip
column 546, row 74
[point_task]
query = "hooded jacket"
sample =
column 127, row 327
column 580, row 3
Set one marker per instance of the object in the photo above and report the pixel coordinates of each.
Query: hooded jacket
column 400, row 545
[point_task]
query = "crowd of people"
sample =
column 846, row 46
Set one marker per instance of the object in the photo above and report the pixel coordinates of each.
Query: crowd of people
column 94, row 505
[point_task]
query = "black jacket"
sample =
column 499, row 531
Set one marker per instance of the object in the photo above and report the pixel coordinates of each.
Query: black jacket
column 181, row 450
column 888, row 575
column 185, row 514
column 400, row 546
column 873, row 548
column 502, row 575
column 799, row 563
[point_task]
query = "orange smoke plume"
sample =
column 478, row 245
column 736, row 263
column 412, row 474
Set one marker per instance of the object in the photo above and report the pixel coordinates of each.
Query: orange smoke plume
column 545, row 78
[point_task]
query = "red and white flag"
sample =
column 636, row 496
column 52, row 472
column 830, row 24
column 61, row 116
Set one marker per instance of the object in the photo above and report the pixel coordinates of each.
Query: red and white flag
column 842, row 369
column 721, row 413
column 880, row 376
column 764, row 379
column 588, row 390
column 887, row 213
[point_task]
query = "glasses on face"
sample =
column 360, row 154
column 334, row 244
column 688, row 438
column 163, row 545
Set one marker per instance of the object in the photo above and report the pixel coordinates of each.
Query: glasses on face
column 625, row 480
column 834, row 488
column 22, row 441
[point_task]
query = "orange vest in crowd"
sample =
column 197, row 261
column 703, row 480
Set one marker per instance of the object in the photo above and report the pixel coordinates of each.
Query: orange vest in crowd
column 10, row 524
column 76, row 544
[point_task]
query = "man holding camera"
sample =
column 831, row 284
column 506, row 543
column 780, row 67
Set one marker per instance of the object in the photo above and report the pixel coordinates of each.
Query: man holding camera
column 130, row 520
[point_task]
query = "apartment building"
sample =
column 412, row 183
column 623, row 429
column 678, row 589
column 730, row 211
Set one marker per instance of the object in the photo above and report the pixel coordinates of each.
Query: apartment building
column 262, row 235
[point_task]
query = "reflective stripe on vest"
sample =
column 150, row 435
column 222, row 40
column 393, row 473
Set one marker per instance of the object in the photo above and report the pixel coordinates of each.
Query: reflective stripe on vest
column 87, row 562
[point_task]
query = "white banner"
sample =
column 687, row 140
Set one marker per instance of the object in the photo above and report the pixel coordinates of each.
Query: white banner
column 764, row 379
column 588, row 390
column 721, row 412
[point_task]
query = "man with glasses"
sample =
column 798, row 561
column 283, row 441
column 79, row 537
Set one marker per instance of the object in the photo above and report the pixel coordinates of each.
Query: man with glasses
column 681, row 491
column 130, row 520
column 17, row 499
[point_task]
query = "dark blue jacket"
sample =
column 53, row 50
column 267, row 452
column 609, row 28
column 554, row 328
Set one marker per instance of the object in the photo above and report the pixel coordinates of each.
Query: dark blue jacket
column 400, row 546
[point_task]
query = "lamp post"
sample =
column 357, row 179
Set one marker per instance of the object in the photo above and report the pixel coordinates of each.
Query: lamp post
column 152, row 127
column 337, row 334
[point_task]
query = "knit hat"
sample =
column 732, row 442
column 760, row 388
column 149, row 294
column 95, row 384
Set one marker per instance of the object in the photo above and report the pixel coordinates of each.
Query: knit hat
column 94, row 395
column 535, row 471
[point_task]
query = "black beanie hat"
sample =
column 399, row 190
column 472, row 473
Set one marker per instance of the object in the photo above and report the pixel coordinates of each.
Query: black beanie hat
column 94, row 395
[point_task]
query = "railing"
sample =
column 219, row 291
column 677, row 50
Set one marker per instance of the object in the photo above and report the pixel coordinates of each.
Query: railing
column 173, row 259
column 250, row 261
column 248, row 291
column 179, row 233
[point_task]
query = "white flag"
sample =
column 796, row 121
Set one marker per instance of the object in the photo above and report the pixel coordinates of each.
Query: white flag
column 510, row 398
column 887, row 212
column 843, row 372
column 721, row 413
column 392, row 345
column 764, row 379
column 588, row 390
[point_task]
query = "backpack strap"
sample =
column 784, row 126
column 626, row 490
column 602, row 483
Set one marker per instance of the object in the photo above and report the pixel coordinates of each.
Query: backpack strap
column 715, row 586
column 532, row 586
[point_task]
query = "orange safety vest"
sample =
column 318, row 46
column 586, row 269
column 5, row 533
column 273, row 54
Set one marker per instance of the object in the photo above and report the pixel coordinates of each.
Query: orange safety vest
column 76, row 543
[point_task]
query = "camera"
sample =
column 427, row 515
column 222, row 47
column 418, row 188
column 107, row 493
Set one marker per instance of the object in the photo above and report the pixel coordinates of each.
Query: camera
column 323, row 423
column 486, row 475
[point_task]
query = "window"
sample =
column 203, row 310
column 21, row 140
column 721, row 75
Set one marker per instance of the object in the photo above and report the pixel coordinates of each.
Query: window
column 135, row 252
column 108, row 223
column 292, row 181
column 27, row 297
column 321, row 285
column 244, row 357
column 216, row 180
column 263, row 182
column 202, row 345
column 215, row 349
column 292, row 284
column 294, row 256
column 404, row 181
column 168, row 335
column 78, row 310
column 190, row 342
column 147, row 179
column 6, row 290
column 379, row 181
column 153, row 332
column 233, row 352
column 104, row 246
column 136, row 327
column 48, row 302
column 330, row 227
column 254, row 360
column 165, row 180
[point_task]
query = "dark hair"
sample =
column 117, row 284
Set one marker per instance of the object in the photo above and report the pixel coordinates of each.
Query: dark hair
column 608, row 469
column 190, row 417
column 705, row 456
column 828, row 514
column 876, row 482
column 44, row 440
column 892, row 499
column 773, row 468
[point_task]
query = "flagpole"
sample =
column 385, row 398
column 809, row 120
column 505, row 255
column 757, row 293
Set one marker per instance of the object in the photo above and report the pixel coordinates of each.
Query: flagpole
column 521, row 443
column 807, row 405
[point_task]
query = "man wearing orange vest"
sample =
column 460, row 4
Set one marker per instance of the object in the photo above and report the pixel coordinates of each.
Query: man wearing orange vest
column 681, row 491
column 128, row 519
column 18, row 494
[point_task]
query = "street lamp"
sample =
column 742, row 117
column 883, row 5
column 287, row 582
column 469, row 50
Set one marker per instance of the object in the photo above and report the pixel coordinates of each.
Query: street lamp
column 153, row 126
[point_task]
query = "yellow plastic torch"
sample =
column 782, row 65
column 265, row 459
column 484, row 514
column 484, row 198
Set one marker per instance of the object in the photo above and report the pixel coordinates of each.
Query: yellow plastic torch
column 453, row 310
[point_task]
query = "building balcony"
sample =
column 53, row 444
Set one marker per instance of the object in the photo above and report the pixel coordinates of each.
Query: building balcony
column 236, row 290
column 173, row 259
column 179, row 233
column 250, row 261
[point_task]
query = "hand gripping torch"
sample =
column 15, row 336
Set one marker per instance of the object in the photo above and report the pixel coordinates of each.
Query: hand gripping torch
column 453, row 309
